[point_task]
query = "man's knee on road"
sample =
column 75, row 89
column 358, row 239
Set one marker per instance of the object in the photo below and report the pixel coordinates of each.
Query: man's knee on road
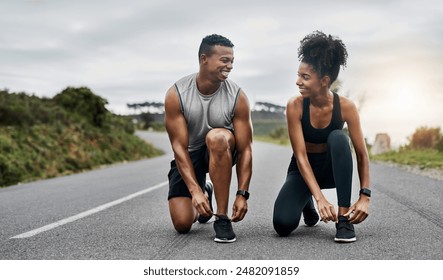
column 182, row 225
column 182, row 213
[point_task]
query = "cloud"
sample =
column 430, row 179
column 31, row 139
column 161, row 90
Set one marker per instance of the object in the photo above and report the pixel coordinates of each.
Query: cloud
column 133, row 51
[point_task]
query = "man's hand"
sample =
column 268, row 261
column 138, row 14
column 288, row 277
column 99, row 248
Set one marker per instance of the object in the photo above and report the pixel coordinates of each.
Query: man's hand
column 239, row 208
column 201, row 203
column 359, row 211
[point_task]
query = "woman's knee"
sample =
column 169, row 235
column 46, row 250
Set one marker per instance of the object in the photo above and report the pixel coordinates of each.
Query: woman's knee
column 284, row 220
column 338, row 139
column 282, row 227
column 289, row 204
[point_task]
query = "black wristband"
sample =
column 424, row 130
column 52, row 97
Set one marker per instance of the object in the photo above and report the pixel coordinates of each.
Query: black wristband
column 366, row 192
column 243, row 193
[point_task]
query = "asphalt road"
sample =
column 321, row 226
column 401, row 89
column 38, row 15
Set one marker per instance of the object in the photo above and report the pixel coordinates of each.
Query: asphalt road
column 120, row 212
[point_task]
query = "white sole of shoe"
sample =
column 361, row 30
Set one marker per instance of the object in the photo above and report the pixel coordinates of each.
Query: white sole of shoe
column 224, row 240
column 343, row 240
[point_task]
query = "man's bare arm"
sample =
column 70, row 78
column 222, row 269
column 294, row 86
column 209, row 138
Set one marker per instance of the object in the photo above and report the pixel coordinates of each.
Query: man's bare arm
column 178, row 135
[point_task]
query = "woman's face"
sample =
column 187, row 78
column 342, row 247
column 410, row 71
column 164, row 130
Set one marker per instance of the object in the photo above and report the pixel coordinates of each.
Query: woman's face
column 308, row 81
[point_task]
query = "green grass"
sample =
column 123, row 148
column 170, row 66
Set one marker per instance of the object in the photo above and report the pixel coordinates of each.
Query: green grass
column 424, row 158
column 268, row 139
column 45, row 151
column 265, row 127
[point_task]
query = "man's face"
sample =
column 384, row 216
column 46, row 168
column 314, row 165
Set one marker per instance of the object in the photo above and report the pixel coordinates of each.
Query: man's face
column 219, row 63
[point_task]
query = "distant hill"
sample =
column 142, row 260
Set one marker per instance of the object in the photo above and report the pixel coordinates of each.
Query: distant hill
column 48, row 137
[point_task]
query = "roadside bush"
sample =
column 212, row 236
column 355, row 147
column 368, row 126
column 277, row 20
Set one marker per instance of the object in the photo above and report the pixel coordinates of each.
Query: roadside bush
column 19, row 109
column 84, row 103
column 426, row 138
column 122, row 122
column 439, row 145
column 43, row 138
column 279, row 133
column 158, row 126
column 9, row 173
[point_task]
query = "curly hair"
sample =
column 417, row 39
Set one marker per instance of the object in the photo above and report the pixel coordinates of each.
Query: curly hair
column 324, row 53
column 213, row 40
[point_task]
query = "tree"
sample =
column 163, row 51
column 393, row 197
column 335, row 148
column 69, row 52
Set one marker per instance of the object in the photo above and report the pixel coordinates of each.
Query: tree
column 85, row 103
column 147, row 119
column 151, row 107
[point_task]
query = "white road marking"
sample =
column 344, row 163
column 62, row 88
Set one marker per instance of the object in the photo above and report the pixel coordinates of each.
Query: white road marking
column 88, row 212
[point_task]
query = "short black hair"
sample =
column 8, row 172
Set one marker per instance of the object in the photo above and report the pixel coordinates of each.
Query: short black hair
column 325, row 53
column 213, row 40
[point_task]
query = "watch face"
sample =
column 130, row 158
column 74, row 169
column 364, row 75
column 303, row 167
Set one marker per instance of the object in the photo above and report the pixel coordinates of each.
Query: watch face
column 366, row 192
column 243, row 193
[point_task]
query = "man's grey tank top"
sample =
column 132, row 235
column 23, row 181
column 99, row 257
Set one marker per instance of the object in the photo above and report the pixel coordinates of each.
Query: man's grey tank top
column 205, row 112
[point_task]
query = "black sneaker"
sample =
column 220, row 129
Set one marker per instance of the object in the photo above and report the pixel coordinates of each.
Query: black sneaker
column 209, row 188
column 345, row 230
column 223, row 230
column 310, row 215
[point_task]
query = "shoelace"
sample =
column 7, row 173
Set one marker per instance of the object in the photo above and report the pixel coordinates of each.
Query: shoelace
column 344, row 224
column 223, row 223
column 221, row 217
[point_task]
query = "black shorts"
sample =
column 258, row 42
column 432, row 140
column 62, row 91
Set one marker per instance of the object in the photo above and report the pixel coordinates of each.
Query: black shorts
column 200, row 161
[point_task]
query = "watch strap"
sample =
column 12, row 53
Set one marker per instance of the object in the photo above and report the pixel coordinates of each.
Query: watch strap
column 365, row 191
column 243, row 193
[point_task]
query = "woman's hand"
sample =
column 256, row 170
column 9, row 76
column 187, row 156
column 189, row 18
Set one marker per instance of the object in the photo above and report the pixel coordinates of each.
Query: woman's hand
column 359, row 211
column 326, row 210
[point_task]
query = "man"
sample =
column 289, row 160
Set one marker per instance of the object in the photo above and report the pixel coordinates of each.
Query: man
column 209, row 127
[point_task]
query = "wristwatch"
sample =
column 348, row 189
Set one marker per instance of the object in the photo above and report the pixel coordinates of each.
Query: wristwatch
column 243, row 193
column 366, row 192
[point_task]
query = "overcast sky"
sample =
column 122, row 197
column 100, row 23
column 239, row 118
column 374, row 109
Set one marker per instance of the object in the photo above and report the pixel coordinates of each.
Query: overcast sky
column 133, row 51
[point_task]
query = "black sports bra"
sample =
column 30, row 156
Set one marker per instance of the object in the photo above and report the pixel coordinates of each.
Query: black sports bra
column 320, row 135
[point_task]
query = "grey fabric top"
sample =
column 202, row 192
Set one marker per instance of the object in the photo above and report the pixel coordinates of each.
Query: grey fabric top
column 205, row 112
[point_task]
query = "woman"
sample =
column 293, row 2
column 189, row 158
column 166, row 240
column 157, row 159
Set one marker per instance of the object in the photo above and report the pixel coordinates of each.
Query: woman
column 321, row 152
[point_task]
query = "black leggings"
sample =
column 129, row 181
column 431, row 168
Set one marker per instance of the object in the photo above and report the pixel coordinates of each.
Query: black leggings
column 332, row 169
